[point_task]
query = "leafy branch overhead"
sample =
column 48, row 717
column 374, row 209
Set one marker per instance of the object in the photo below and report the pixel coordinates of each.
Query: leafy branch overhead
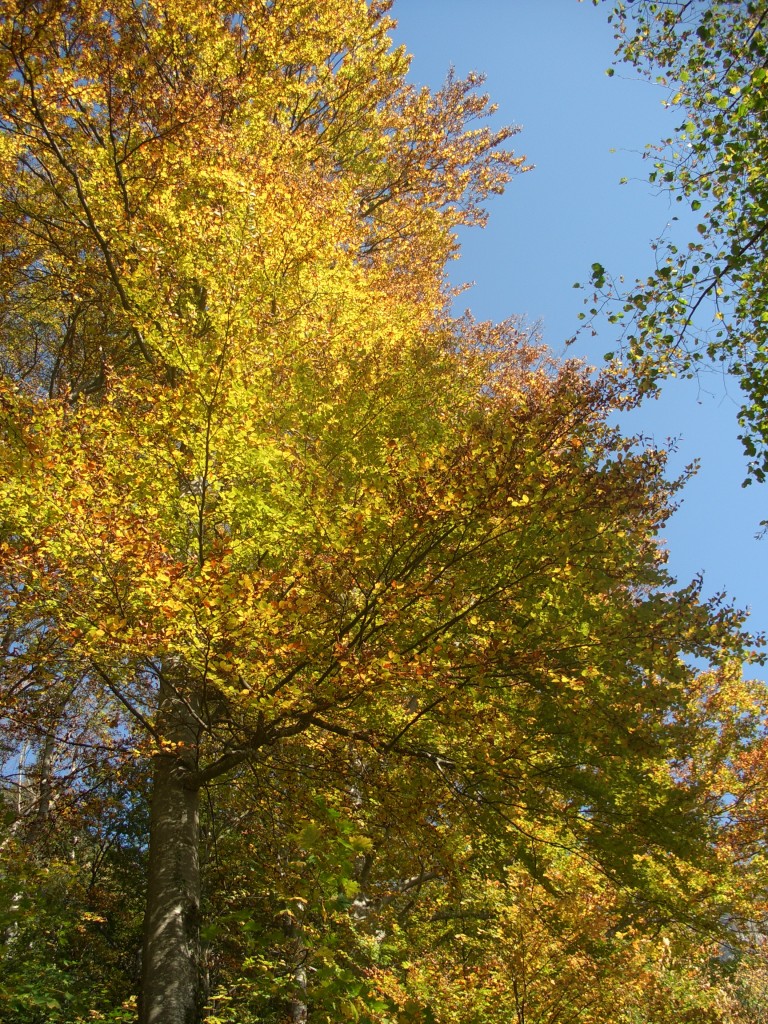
column 705, row 302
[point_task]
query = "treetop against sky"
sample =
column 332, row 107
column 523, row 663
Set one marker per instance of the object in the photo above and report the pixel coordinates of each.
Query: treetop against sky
column 344, row 676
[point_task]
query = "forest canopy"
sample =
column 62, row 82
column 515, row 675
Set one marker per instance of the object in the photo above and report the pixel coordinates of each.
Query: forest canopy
column 343, row 675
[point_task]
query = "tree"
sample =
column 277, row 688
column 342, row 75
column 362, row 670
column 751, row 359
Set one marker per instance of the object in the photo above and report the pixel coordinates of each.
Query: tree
column 705, row 301
column 440, row 917
column 271, row 516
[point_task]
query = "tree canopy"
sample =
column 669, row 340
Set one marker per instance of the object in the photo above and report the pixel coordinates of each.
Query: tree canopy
column 343, row 677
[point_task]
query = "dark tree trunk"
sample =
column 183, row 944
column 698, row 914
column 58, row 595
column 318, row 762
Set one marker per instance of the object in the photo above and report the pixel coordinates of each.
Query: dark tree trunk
column 171, row 989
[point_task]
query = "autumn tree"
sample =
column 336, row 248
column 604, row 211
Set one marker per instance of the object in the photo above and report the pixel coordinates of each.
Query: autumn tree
column 276, row 526
column 705, row 301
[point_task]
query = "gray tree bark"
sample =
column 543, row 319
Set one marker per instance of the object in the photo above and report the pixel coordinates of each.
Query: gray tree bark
column 298, row 1011
column 171, row 975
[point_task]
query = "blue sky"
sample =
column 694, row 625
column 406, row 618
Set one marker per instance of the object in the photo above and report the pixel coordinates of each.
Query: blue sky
column 545, row 63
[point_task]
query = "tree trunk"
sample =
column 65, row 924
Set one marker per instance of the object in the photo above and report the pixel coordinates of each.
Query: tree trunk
column 44, row 781
column 298, row 1011
column 170, row 990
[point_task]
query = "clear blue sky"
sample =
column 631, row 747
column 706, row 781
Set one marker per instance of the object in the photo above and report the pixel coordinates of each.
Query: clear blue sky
column 545, row 63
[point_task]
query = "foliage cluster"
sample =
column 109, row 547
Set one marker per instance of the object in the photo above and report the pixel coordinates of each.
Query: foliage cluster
column 343, row 678
column 705, row 301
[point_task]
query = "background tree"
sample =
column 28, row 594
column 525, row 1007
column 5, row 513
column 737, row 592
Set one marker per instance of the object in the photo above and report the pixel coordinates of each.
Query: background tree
column 705, row 301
